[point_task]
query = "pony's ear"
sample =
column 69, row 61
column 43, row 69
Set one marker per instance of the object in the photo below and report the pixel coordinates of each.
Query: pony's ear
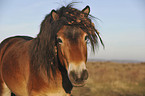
column 54, row 15
column 86, row 10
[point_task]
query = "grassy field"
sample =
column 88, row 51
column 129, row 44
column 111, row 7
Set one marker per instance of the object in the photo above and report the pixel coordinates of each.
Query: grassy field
column 113, row 79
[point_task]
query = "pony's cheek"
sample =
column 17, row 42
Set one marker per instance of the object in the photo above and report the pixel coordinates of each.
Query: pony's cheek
column 62, row 57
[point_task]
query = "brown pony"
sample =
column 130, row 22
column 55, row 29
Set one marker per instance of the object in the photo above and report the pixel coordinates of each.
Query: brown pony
column 53, row 62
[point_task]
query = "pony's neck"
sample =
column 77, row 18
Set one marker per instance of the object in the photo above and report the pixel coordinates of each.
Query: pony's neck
column 43, row 57
column 55, row 72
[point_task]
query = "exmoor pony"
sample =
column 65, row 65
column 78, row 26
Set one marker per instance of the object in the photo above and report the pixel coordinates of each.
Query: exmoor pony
column 53, row 62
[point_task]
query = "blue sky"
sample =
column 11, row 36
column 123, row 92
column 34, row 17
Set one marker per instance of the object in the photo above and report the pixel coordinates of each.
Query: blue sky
column 122, row 24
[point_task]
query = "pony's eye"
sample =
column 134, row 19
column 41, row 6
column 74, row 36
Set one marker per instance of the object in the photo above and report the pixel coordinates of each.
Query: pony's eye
column 59, row 40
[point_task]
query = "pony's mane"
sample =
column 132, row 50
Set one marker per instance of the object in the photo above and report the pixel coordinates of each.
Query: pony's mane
column 43, row 51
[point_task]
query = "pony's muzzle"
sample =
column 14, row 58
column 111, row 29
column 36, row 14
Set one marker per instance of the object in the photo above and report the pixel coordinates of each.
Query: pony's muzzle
column 78, row 79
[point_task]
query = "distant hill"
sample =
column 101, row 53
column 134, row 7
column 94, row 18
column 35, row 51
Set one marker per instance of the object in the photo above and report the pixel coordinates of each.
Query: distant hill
column 118, row 61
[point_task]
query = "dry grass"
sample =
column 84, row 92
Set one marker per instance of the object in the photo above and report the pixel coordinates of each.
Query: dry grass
column 113, row 79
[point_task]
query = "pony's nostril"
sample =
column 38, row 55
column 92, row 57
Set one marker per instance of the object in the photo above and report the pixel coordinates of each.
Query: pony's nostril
column 84, row 75
column 73, row 76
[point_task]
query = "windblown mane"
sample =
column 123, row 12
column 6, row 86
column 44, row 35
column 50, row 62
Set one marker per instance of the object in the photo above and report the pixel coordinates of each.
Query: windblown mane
column 43, row 51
